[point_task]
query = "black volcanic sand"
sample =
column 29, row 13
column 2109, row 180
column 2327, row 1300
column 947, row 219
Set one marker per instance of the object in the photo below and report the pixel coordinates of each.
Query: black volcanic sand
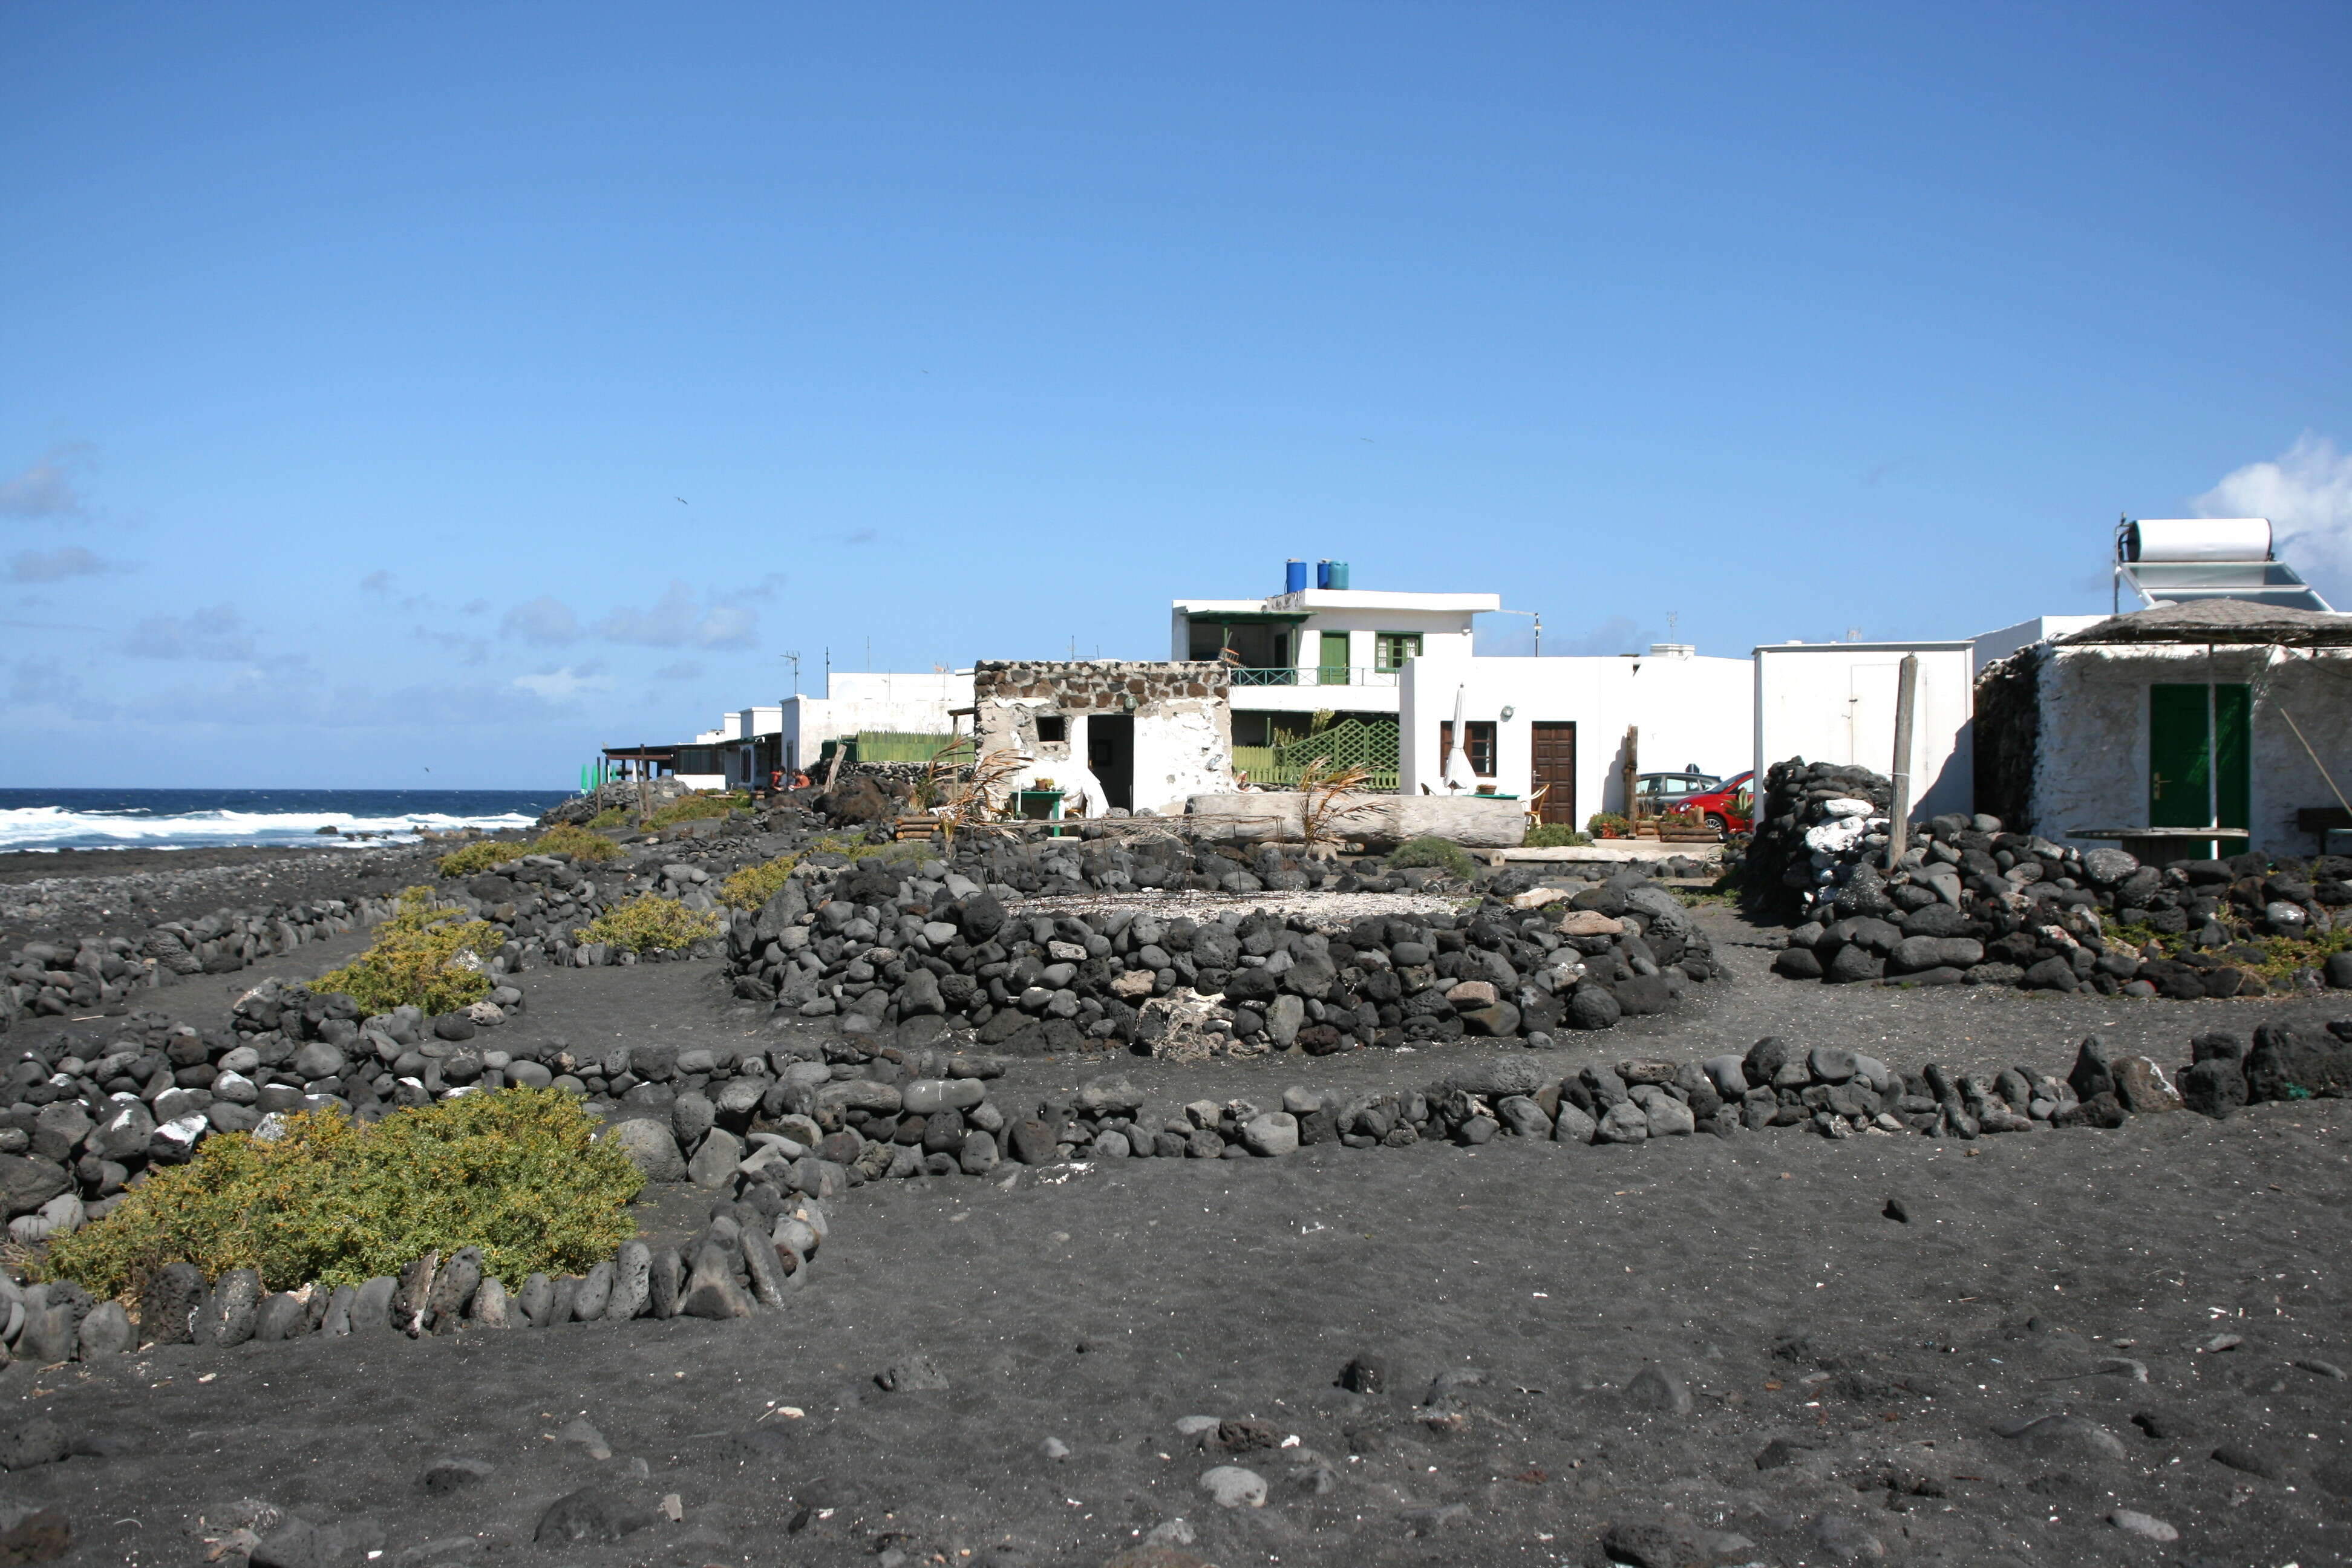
column 121, row 892
column 2036, row 1273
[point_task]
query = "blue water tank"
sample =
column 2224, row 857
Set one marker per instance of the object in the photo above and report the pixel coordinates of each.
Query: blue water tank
column 1335, row 575
column 1293, row 576
column 1322, row 573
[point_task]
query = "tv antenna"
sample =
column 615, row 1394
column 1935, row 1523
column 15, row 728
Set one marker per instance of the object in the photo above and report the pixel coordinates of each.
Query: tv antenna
column 796, row 658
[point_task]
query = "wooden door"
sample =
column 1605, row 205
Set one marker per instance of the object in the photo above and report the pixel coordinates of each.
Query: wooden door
column 1555, row 771
column 1333, row 652
column 2198, row 772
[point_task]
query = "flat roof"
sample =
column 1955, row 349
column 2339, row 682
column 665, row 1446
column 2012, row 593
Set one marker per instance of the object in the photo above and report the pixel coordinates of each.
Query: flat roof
column 1967, row 645
column 1312, row 599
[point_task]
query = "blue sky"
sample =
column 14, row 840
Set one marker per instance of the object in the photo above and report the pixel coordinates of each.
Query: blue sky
column 470, row 386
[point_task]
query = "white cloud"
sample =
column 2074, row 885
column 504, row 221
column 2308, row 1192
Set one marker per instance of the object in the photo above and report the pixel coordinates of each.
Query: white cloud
column 54, row 565
column 677, row 620
column 545, row 619
column 563, row 684
column 218, row 633
column 45, row 488
column 2306, row 493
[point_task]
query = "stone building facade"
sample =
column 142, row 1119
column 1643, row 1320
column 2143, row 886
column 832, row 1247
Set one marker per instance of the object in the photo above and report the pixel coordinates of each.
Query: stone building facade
column 1109, row 733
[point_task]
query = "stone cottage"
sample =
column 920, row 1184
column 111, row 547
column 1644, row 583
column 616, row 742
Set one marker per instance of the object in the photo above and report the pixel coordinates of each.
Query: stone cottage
column 1109, row 733
column 2144, row 728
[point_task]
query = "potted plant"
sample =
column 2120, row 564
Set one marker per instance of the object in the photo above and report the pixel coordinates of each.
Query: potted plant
column 1685, row 825
column 1608, row 825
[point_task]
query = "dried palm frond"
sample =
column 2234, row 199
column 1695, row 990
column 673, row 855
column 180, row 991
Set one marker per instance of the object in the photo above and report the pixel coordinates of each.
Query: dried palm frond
column 1324, row 809
column 976, row 802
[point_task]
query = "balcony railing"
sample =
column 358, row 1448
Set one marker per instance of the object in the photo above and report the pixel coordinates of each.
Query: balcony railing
column 1315, row 675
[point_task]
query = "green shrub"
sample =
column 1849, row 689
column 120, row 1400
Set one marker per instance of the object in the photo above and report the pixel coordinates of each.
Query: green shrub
column 754, row 885
column 564, row 838
column 2282, row 956
column 420, row 958
column 647, row 922
column 514, row 1173
column 1442, row 853
column 1607, row 822
column 611, row 817
column 481, row 857
column 1555, row 836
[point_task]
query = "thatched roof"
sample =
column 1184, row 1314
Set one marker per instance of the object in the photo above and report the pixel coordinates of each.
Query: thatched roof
column 2219, row 621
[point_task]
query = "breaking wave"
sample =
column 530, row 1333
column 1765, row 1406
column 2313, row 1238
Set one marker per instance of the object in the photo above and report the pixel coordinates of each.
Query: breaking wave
column 188, row 819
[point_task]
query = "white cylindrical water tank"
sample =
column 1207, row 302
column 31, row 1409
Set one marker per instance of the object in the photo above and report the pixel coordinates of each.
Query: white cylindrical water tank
column 2198, row 539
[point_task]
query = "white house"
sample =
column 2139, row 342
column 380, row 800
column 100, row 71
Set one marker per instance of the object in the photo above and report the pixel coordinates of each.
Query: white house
column 1559, row 724
column 791, row 734
column 2000, row 645
column 1307, row 650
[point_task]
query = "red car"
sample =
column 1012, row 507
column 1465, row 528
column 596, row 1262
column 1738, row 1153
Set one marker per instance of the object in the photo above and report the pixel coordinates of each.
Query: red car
column 1729, row 806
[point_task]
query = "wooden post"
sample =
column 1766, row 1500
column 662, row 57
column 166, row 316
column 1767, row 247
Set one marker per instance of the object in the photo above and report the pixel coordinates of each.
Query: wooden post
column 1906, row 702
column 1632, row 772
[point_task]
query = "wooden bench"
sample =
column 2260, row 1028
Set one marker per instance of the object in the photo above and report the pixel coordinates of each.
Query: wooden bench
column 2160, row 845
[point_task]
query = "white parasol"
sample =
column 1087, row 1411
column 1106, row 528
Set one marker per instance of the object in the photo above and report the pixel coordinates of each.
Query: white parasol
column 1457, row 764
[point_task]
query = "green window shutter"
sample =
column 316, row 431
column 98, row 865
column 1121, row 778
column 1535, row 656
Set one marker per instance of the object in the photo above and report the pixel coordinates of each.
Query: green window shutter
column 1394, row 649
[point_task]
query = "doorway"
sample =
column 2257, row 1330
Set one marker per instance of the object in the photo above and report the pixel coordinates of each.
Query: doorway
column 2200, row 771
column 1110, row 757
column 1554, row 771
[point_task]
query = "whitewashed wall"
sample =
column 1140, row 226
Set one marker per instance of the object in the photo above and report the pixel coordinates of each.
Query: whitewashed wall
column 1183, row 747
column 2092, row 763
column 1834, row 702
column 916, row 702
column 1698, row 711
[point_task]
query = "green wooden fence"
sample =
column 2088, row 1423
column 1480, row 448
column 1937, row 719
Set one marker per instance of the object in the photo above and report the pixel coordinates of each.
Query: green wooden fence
column 906, row 746
column 1354, row 743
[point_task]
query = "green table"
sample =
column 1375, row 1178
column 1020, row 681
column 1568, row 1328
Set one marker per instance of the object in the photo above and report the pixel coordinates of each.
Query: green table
column 1039, row 805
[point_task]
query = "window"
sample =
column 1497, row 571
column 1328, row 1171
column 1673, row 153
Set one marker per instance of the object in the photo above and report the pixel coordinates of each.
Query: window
column 1481, row 742
column 1668, row 790
column 1052, row 727
column 1392, row 648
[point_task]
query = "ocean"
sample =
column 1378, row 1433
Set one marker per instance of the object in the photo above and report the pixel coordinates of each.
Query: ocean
column 285, row 818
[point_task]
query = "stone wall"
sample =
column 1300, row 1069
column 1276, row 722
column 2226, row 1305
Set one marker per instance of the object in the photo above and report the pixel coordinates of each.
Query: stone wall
column 1113, row 686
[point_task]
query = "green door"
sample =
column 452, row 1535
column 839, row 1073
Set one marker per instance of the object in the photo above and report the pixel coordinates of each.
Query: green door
column 2193, row 781
column 1333, row 669
column 2233, row 779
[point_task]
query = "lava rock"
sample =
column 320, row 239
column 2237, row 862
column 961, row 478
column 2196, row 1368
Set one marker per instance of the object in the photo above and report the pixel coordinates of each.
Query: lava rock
column 590, row 1516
